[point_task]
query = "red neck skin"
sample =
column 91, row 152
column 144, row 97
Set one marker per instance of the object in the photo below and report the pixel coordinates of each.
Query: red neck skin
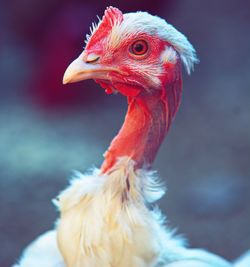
column 146, row 123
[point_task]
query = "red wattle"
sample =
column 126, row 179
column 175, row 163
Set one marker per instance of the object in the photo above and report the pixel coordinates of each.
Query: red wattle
column 127, row 90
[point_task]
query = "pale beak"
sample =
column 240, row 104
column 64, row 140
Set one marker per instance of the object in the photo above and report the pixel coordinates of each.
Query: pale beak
column 85, row 67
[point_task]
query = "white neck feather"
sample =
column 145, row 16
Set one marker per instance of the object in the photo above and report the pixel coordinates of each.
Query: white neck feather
column 107, row 216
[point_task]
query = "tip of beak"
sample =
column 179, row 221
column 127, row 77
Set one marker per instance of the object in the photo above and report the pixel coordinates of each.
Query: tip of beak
column 66, row 77
column 65, row 80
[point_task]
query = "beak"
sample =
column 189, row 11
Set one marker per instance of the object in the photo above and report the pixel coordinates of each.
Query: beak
column 85, row 67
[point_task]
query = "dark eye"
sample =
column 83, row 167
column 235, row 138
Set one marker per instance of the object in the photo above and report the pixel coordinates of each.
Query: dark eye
column 139, row 48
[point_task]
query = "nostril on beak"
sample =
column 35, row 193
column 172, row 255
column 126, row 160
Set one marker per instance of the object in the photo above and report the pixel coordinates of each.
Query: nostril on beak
column 92, row 58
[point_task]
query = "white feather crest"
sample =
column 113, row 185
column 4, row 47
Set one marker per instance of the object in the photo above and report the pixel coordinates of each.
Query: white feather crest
column 156, row 25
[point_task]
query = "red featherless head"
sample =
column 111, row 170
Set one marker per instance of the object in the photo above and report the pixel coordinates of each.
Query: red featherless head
column 138, row 55
column 132, row 53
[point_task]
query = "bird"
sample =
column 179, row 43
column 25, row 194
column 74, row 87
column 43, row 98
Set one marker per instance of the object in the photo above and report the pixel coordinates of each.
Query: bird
column 108, row 215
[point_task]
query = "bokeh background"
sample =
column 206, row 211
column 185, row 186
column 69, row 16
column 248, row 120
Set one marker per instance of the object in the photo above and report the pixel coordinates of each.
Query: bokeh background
column 48, row 129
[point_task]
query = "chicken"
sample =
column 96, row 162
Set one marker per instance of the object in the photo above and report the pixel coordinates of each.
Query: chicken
column 105, row 215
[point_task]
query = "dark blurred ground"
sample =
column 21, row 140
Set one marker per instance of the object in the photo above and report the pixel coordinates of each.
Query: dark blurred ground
column 48, row 129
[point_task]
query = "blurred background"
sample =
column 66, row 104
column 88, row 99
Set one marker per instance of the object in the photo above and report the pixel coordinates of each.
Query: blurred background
column 48, row 129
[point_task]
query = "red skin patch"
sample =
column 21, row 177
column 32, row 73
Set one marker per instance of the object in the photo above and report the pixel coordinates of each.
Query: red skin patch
column 151, row 107
column 146, row 123
column 111, row 15
column 122, row 59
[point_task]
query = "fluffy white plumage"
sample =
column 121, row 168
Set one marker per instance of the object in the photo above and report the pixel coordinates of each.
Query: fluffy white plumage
column 243, row 261
column 101, row 229
column 43, row 252
column 109, row 218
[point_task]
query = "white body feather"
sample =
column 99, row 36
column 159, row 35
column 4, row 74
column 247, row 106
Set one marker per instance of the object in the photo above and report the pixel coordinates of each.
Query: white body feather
column 105, row 221
column 43, row 252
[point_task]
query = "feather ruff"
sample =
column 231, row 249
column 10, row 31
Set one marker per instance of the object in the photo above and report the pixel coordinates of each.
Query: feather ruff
column 110, row 220
column 105, row 220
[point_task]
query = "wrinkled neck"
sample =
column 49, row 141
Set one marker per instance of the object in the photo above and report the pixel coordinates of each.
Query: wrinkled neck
column 146, row 123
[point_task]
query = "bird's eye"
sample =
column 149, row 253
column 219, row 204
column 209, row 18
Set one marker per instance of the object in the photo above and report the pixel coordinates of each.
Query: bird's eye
column 139, row 48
